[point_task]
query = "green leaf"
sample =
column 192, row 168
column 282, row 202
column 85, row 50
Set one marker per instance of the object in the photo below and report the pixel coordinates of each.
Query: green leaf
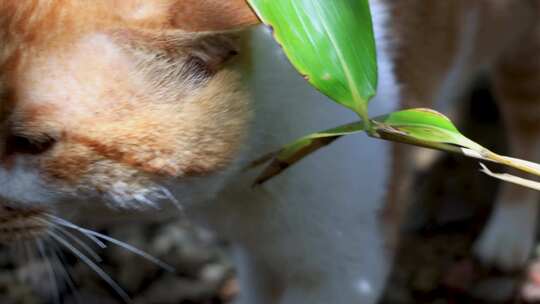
column 329, row 42
column 299, row 149
column 428, row 128
column 422, row 127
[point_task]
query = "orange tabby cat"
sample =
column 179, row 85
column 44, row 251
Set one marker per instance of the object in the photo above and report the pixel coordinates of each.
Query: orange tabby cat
column 131, row 103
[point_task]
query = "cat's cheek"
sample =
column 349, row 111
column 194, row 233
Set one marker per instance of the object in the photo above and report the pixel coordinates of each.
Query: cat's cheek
column 66, row 169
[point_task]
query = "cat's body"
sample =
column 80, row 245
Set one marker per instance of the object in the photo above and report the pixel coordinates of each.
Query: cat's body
column 452, row 42
column 113, row 102
column 304, row 237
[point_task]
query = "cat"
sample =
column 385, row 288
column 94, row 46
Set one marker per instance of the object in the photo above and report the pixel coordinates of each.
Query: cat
column 134, row 103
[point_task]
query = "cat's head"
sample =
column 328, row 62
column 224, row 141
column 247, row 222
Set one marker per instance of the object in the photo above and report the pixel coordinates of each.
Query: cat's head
column 113, row 100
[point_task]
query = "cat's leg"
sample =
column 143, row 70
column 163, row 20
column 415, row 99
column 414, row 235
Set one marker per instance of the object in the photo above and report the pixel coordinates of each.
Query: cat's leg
column 335, row 290
column 398, row 198
column 508, row 238
column 257, row 284
column 295, row 294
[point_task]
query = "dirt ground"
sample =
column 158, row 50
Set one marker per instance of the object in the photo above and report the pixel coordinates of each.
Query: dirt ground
column 433, row 265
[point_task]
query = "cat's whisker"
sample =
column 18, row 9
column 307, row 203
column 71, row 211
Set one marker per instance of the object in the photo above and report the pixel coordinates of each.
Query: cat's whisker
column 59, row 221
column 50, row 270
column 115, row 286
column 168, row 195
column 52, row 251
column 144, row 200
column 58, row 256
column 114, row 241
column 79, row 242
column 37, row 255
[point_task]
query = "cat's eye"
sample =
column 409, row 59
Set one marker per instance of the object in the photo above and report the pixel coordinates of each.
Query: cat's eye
column 24, row 145
column 197, row 68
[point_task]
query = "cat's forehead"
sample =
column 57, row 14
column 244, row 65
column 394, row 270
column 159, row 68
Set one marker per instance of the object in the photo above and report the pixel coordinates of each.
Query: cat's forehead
column 49, row 16
column 75, row 75
column 46, row 19
column 45, row 41
column 50, row 49
column 36, row 11
column 27, row 27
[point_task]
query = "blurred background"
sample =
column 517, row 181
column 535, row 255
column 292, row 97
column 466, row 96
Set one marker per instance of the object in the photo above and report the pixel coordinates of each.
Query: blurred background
column 434, row 264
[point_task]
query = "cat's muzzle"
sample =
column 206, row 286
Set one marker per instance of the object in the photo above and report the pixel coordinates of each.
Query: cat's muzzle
column 20, row 224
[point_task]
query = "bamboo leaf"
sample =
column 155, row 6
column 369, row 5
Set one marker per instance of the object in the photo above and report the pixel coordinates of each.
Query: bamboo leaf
column 299, row 149
column 331, row 43
column 512, row 178
column 424, row 127
column 420, row 127
column 428, row 128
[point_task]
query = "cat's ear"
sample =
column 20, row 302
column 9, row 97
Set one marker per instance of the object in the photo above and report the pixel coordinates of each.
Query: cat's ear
column 212, row 15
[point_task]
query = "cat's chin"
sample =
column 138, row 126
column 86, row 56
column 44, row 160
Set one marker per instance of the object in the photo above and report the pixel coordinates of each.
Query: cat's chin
column 201, row 190
column 158, row 193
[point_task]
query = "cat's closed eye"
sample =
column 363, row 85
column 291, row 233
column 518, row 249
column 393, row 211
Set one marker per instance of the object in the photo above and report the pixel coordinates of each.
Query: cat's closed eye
column 27, row 145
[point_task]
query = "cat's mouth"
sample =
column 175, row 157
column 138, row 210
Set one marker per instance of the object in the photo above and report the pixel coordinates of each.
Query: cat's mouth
column 38, row 226
column 21, row 224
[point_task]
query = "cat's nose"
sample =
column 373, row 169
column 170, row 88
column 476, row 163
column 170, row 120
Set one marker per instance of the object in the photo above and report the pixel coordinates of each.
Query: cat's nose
column 19, row 144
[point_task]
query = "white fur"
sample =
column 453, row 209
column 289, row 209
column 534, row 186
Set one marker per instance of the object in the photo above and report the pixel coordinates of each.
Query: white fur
column 508, row 239
column 459, row 74
column 510, row 235
column 313, row 231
